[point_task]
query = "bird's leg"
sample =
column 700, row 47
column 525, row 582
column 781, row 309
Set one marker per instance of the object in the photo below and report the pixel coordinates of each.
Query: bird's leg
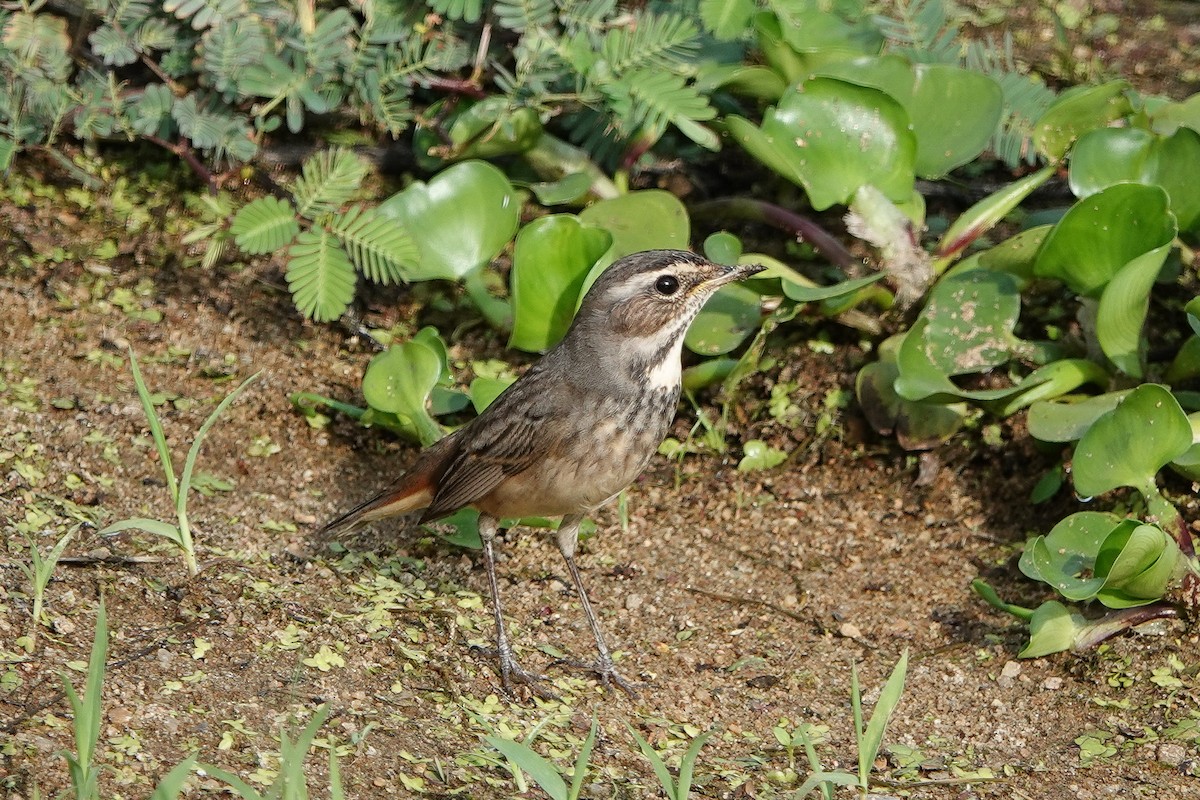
column 509, row 669
column 568, row 540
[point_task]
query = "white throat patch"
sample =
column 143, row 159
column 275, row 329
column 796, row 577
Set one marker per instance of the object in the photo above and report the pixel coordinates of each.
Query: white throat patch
column 667, row 373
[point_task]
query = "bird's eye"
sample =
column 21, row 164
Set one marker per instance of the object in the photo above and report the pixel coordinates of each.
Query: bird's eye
column 667, row 285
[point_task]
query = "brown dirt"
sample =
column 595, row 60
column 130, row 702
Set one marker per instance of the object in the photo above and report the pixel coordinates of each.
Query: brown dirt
column 739, row 600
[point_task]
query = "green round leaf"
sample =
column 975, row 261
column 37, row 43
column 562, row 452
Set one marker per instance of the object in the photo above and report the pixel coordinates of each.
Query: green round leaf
column 826, row 35
column 759, row 455
column 1052, row 629
column 971, row 318
column 1122, row 310
column 648, row 220
column 1066, row 421
column 1076, row 112
column 954, row 113
column 551, row 259
column 460, row 220
column 484, row 390
column 1137, row 562
column 893, row 75
column 400, row 380
column 488, row 128
column 707, row 372
column 1132, row 155
column 1107, row 156
column 832, row 137
column 723, row 247
column 1016, row 254
column 725, row 322
column 1130, row 444
column 917, row 425
column 566, row 189
column 1067, row 554
column 1102, row 233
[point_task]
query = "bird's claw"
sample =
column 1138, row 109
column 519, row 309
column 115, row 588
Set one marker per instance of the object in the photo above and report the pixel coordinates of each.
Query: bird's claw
column 512, row 673
column 602, row 668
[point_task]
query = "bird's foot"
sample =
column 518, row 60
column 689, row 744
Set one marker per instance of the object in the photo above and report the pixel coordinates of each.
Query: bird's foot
column 604, row 669
column 512, row 673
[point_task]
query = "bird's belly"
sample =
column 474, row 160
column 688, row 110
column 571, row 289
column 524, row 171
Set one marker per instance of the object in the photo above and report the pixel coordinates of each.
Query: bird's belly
column 589, row 469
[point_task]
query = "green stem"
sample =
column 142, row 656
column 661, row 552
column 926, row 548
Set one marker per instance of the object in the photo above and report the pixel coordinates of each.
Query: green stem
column 496, row 311
column 185, row 538
column 1167, row 516
column 985, row 590
column 307, row 400
column 552, row 158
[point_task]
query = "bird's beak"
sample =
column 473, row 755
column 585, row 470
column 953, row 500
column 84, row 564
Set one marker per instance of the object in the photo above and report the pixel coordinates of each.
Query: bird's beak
column 727, row 274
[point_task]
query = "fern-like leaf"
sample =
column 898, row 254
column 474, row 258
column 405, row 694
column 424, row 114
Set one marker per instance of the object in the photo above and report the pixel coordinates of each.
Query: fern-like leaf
column 113, row 46
column 152, row 111
column 923, row 31
column 585, row 16
column 328, row 180
column 380, row 248
column 647, row 100
column 319, row 276
column 210, row 128
column 662, row 41
column 466, row 10
column 265, row 225
column 201, row 14
column 523, row 15
column 155, row 34
column 414, row 60
column 228, row 50
column 327, row 48
column 1026, row 97
column 38, row 46
column 390, row 110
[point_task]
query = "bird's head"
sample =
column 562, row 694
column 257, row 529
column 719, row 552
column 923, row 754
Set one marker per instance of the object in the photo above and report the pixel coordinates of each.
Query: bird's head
column 642, row 305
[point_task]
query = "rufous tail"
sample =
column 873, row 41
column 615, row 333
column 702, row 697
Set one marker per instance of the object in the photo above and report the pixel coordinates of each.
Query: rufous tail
column 400, row 498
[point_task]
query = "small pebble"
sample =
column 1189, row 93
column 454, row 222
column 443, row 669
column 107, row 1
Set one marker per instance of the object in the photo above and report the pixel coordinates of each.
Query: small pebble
column 1172, row 754
column 850, row 630
column 1052, row 684
column 633, row 602
column 1009, row 674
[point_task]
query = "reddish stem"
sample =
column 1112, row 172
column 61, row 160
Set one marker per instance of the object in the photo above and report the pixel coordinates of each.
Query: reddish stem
column 803, row 228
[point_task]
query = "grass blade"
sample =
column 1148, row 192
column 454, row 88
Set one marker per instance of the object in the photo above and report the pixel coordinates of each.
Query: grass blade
column 581, row 763
column 688, row 765
column 825, row 780
column 172, row 783
column 889, row 698
column 156, row 431
column 864, row 768
column 335, row 777
column 656, row 762
column 543, row 772
column 236, row 784
column 93, row 701
column 814, row 762
column 157, row 527
column 189, row 464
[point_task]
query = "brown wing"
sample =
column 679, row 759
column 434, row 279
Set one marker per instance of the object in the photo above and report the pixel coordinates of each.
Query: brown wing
column 508, row 438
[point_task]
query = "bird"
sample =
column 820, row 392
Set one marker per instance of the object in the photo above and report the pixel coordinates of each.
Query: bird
column 572, row 432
